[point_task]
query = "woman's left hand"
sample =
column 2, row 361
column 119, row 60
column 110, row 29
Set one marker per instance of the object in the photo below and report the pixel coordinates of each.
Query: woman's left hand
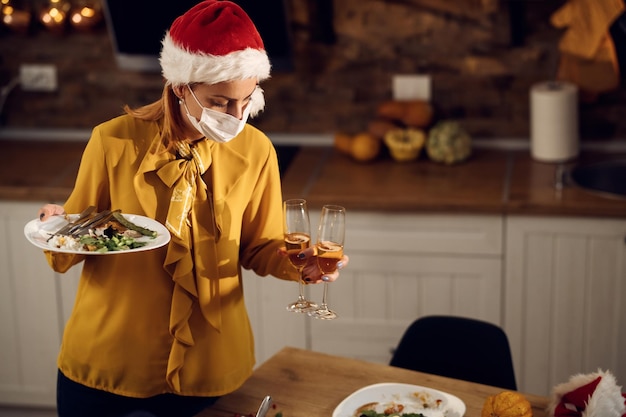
column 311, row 273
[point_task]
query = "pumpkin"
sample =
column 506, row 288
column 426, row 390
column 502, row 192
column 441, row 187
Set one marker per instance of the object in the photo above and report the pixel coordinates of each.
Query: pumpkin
column 418, row 113
column 410, row 113
column 448, row 143
column 405, row 144
column 507, row 404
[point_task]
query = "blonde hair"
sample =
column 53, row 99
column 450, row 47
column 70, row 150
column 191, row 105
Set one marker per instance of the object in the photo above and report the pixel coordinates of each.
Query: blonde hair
column 167, row 109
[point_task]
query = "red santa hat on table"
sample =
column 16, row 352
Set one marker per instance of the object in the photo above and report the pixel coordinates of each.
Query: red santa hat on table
column 215, row 41
column 588, row 395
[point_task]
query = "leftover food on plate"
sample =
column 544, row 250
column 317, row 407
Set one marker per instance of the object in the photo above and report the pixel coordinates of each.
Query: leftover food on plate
column 100, row 233
column 417, row 402
column 399, row 400
column 100, row 239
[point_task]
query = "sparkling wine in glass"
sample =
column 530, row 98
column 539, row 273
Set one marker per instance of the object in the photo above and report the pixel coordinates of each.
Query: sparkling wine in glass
column 297, row 238
column 330, row 240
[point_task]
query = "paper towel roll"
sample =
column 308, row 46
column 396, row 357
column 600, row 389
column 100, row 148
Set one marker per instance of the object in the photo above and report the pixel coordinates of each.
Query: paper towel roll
column 554, row 121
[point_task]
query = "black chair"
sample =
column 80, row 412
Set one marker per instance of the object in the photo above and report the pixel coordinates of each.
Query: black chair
column 457, row 347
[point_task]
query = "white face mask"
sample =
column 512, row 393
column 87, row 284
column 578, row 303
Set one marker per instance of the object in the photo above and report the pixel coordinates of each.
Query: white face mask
column 215, row 125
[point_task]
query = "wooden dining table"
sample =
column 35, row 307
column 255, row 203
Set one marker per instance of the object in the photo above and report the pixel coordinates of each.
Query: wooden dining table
column 304, row 383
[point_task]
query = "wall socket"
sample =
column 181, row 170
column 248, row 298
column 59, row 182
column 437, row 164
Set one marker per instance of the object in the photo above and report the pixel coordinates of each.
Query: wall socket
column 411, row 87
column 38, row 77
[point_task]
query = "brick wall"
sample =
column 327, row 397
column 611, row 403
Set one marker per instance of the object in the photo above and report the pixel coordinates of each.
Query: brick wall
column 483, row 56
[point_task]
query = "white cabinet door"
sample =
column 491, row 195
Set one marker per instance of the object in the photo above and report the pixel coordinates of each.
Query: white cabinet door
column 35, row 303
column 403, row 266
column 380, row 294
column 31, row 326
column 564, row 300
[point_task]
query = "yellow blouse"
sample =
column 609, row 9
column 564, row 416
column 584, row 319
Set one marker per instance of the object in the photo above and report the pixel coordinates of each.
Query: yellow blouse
column 138, row 328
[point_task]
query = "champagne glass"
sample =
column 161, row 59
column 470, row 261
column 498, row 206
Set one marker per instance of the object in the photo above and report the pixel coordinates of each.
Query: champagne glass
column 297, row 238
column 330, row 239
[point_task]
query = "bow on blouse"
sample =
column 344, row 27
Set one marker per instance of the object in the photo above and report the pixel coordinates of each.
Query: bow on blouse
column 191, row 257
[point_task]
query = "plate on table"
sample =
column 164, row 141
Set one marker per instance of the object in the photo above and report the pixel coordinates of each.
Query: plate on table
column 38, row 232
column 404, row 398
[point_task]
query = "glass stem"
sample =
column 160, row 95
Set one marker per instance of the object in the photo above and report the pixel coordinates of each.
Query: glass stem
column 324, row 306
column 301, row 289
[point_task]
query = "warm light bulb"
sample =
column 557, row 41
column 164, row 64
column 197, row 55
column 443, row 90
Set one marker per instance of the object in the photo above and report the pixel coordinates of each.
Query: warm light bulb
column 53, row 17
column 87, row 12
column 15, row 19
column 85, row 17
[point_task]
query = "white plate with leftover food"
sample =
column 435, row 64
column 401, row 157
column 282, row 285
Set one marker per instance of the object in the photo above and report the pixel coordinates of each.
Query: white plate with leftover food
column 398, row 400
column 98, row 241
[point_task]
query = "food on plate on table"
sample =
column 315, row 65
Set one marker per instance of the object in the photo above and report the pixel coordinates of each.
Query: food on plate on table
column 113, row 233
column 418, row 403
column 507, row 404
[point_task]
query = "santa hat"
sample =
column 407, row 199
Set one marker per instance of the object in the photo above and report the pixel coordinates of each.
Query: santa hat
column 215, row 41
column 588, row 395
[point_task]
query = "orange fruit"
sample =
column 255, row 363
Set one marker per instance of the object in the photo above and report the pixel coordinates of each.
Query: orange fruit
column 365, row 147
column 343, row 142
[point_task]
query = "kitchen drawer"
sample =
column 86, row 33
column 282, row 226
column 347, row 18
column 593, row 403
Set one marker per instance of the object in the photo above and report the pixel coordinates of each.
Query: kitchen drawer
column 423, row 233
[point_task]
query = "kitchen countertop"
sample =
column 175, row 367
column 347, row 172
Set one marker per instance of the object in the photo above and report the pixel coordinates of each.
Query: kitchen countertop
column 492, row 181
column 38, row 170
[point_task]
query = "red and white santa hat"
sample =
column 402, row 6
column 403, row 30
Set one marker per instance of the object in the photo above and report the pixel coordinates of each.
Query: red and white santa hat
column 215, row 41
column 588, row 395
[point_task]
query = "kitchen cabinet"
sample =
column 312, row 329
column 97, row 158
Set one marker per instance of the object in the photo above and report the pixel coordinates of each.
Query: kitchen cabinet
column 555, row 284
column 34, row 305
column 402, row 266
column 564, row 290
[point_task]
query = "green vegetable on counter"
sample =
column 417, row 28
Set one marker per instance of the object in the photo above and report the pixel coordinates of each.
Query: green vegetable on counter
column 448, row 143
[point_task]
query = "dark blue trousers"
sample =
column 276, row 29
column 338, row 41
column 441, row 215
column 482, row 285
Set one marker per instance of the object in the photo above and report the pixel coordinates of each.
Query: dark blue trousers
column 76, row 400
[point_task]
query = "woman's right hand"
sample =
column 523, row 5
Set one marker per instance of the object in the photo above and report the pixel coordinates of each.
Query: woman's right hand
column 50, row 210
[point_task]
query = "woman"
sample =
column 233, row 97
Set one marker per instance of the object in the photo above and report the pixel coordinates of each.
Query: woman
column 166, row 331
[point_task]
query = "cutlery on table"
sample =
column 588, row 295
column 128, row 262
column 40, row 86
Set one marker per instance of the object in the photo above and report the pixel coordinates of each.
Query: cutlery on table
column 264, row 407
